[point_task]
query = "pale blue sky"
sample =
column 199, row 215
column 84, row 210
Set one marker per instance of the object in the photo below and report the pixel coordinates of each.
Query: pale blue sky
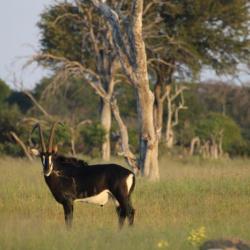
column 20, row 37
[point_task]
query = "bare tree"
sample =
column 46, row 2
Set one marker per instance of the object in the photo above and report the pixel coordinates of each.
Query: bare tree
column 174, row 108
column 97, row 63
column 130, row 47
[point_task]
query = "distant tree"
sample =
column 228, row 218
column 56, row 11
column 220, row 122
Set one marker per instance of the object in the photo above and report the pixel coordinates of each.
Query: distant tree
column 130, row 47
column 20, row 99
column 9, row 117
column 175, row 103
column 5, row 91
column 187, row 35
column 221, row 133
column 185, row 129
column 71, row 104
column 92, row 137
column 76, row 42
column 183, row 37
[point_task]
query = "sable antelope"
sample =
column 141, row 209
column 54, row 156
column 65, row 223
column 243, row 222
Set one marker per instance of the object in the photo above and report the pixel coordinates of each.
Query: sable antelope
column 70, row 180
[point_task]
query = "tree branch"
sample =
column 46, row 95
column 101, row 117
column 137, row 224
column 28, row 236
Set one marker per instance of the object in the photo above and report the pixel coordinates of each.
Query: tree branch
column 128, row 155
column 37, row 104
column 20, row 142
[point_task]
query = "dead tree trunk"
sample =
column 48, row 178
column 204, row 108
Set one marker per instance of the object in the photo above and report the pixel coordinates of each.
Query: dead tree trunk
column 132, row 54
column 72, row 141
column 194, row 143
column 126, row 152
column 220, row 142
column 106, row 124
column 160, row 94
column 173, row 112
column 105, row 66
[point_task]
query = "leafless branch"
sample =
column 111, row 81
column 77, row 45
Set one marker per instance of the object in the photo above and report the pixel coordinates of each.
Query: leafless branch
column 128, row 155
column 161, row 61
column 34, row 101
column 21, row 143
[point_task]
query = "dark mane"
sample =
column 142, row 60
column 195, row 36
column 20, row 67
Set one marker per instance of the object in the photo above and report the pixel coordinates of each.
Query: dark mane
column 70, row 161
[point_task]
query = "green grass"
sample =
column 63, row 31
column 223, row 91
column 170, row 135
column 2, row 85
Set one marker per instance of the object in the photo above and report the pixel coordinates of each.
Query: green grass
column 192, row 193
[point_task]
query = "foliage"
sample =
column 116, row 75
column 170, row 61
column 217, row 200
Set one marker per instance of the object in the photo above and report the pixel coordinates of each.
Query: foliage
column 197, row 236
column 11, row 97
column 9, row 117
column 184, row 37
column 229, row 102
column 214, row 124
column 61, row 31
column 191, row 34
column 21, row 100
column 92, row 138
column 71, row 100
column 61, row 138
column 4, row 91
column 185, row 130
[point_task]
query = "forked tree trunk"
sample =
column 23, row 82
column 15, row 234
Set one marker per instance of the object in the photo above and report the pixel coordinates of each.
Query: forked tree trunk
column 173, row 112
column 159, row 119
column 195, row 143
column 169, row 137
column 106, row 124
column 149, row 139
column 160, row 97
column 130, row 48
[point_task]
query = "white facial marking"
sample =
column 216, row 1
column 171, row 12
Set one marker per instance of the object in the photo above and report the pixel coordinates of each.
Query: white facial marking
column 50, row 161
column 99, row 199
column 129, row 182
column 50, row 170
column 50, row 165
column 43, row 160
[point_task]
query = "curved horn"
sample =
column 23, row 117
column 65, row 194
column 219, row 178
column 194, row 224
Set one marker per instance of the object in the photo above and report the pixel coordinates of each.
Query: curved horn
column 51, row 137
column 41, row 136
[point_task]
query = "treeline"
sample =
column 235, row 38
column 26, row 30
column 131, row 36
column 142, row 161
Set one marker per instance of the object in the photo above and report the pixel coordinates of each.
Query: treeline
column 214, row 123
column 121, row 79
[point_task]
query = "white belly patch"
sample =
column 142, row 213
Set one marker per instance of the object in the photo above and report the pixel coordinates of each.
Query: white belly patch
column 99, row 199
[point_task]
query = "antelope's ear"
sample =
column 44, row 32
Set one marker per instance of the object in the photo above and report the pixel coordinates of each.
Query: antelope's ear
column 55, row 149
column 35, row 152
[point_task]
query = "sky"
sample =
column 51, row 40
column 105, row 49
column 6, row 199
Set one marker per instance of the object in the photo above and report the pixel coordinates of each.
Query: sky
column 20, row 40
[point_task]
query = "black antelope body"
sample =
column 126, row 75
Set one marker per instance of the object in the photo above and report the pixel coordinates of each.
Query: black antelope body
column 71, row 180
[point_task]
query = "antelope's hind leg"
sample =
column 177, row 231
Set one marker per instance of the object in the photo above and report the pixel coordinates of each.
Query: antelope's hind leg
column 121, row 212
column 124, row 210
column 130, row 213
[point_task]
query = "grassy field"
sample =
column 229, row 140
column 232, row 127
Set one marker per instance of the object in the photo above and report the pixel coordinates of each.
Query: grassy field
column 210, row 196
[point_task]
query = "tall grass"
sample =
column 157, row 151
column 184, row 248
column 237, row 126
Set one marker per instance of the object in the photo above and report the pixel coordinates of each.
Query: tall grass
column 192, row 193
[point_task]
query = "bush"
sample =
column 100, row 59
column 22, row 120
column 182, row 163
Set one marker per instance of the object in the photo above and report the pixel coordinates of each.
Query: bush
column 9, row 117
column 212, row 125
column 92, row 137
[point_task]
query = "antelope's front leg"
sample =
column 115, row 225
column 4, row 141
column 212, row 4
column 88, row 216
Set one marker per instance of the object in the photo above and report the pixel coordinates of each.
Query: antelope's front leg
column 68, row 213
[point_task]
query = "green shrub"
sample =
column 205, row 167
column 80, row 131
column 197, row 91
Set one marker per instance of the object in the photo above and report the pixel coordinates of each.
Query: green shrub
column 213, row 124
column 92, row 137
